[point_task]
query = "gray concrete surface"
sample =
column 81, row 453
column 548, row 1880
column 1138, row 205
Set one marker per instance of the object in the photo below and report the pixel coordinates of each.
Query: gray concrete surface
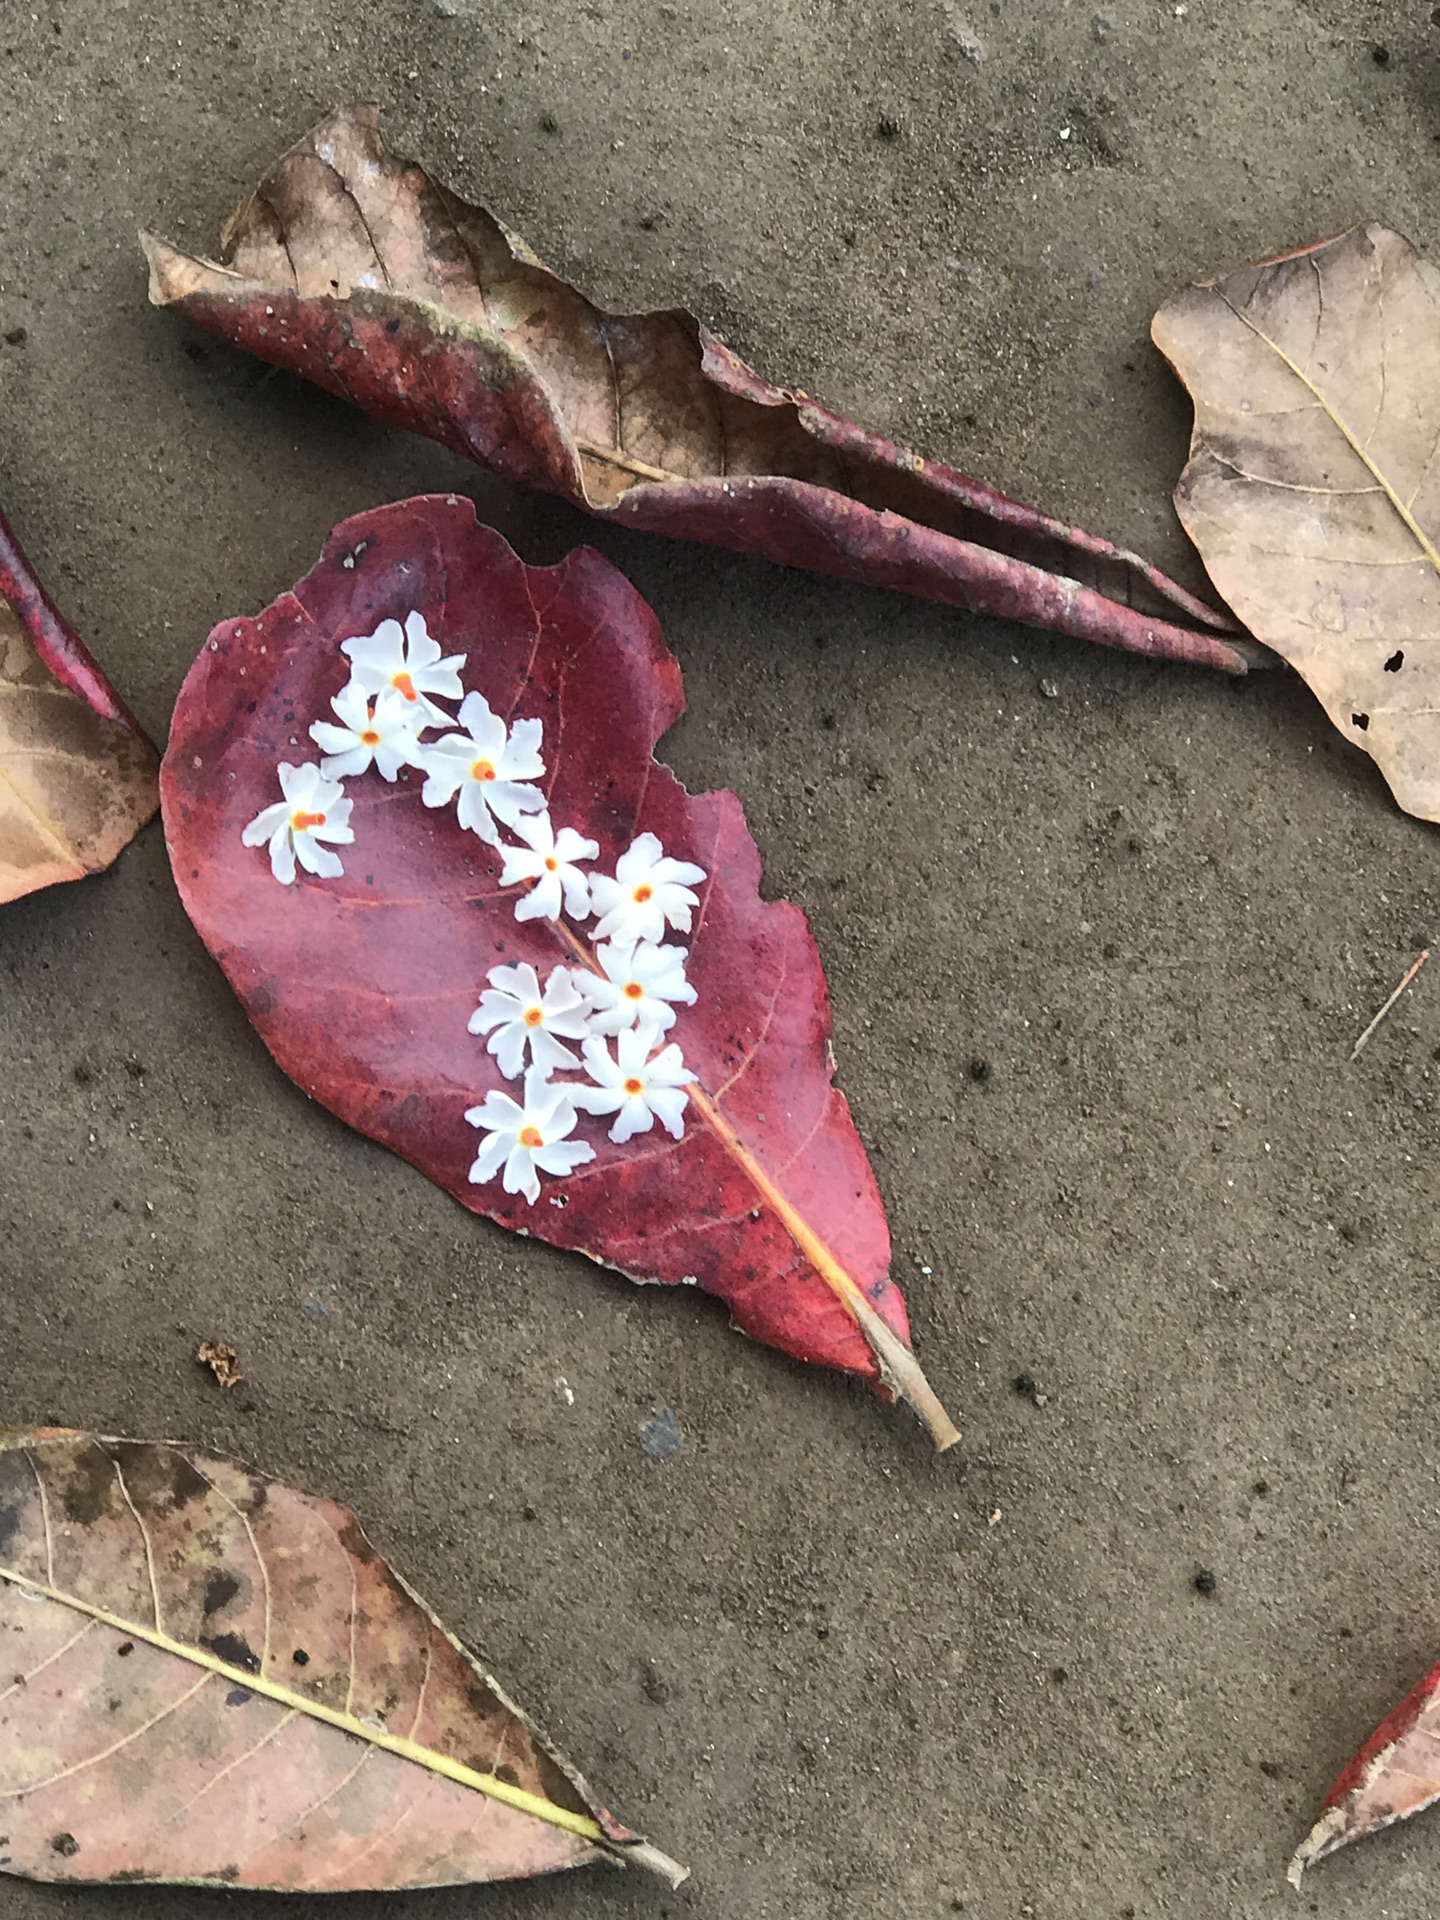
column 1159, row 906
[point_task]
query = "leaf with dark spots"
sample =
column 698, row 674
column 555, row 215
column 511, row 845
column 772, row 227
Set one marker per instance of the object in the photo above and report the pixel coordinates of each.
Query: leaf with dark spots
column 77, row 776
column 768, row 1199
column 356, row 269
column 391, row 1761
column 1313, row 484
column 220, row 1589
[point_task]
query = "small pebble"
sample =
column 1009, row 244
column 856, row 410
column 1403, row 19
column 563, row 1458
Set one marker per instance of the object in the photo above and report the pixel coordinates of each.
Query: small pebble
column 661, row 1437
column 1205, row 1581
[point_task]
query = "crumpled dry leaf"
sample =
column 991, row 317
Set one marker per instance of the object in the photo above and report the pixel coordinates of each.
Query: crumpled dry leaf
column 358, row 270
column 211, row 1677
column 1394, row 1775
column 222, row 1360
column 1313, row 485
column 77, row 776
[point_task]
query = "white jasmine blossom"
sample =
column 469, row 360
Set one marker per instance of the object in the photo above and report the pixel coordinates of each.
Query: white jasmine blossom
column 527, row 1140
column 637, row 1089
column 548, row 858
column 486, row 766
column 648, row 892
column 409, row 661
column 517, row 1015
column 313, row 810
column 637, row 984
column 382, row 734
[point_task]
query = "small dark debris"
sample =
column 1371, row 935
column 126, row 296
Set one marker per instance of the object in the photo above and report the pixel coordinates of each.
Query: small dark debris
column 16, row 336
column 528, row 1513
column 124, row 1652
column 239, row 1697
column 1027, row 1389
column 979, row 1070
column 548, row 123
column 1059, row 1675
column 1205, row 1581
column 300, row 1657
column 1396, row 661
column 1262, row 1487
column 1270, row 1769
column 1360, row 720
column 887, row 127
column 1381, row 56
column 67, row 1844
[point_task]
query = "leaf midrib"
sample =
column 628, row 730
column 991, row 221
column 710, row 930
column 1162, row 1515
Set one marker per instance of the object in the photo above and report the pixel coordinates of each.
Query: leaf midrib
column 437, row 1763
column 1417, row 531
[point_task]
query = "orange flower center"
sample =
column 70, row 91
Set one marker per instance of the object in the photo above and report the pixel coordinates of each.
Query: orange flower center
column 534, row 1016
column 531, row 1137
column 303, row 822
column 642, row 894
column 634, row 990
column 369, row 738
column 483, row 770
column 404, row 684
column 552, row 865
column 633, row 1085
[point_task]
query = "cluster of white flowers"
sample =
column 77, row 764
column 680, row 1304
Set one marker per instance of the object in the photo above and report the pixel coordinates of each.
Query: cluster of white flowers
column 636, row 981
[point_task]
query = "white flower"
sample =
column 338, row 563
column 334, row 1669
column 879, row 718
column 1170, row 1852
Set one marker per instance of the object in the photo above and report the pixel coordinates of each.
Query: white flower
column 633, row 1086
column 410, row 663
column 485, row 765
column 648, row 891
column 638, row 982
column 311, row 811
column 522, row 1138
column 548, row 858
column 385, row 735
column 520, row 1016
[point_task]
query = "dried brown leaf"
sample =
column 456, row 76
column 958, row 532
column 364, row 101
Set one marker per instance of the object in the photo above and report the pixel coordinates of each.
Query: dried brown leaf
column 222, row 1360
column 77, row 777
column 1313, row 485
column 214, row 1678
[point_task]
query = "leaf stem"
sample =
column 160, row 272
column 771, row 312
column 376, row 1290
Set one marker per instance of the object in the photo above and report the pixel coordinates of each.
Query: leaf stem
column 612, row 456
column 899, row 1369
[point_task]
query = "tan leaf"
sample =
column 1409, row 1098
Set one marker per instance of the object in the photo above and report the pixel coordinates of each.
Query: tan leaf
column 213, row 1678
column 1313, row 485
column 77, row 777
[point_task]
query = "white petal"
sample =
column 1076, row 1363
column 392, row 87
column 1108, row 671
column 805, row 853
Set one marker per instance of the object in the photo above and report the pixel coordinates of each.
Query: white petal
column 593, row 1099
column 508, row 802
column 669, row 1104
column 546, row 1051
column 474, row 815
column 345, row 764
column 542, row 902
column 497, row 1109
column 282, row 856
column 508, row 1047
column 265, row 823
column 635, row 863
column 488, row 1160
column 635, row 1117
column 563, row 1156
column 520, row 1174
column 315, row 858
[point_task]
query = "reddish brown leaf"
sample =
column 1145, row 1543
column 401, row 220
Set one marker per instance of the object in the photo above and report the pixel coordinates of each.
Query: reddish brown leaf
column 362, row 986
column 358, row 270
column 77, row 776
column 1395, row 1774
column 214, row 1678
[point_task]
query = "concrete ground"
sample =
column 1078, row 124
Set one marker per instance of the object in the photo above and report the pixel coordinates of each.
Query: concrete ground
column 836, row 1675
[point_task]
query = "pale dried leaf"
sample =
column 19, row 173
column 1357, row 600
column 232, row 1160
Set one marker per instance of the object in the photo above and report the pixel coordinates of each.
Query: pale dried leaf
column 1313, row 485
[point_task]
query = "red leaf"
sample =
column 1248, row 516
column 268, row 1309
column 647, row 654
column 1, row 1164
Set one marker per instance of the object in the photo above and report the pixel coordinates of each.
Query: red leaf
column 362, row 986
column 1394, row 1775
column 356, row 269
column 77, row 776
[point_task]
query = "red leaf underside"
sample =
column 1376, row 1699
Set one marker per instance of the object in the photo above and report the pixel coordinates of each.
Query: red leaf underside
column 362, row 986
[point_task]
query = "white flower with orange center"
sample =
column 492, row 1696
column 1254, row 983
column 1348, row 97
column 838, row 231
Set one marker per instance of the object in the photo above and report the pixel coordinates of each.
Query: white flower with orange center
column 517, row 1016
column 648, row 893
column 638, row 983
column 486, row 766
column 313, row 810
column 409, row 661
column 637, row 1089
column 527, row 1140
column 379, row 733
column 548, row 858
